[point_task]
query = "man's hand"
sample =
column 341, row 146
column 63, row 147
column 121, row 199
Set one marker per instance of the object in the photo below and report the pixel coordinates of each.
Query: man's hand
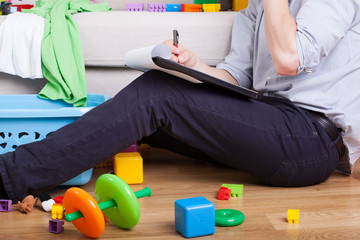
column 183, row 56
column 280, row 30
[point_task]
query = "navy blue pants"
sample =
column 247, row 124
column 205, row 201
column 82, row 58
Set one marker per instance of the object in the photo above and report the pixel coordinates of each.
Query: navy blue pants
column 273, row 140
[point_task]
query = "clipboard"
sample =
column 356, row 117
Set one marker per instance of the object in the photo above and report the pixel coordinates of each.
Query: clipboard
column 157, row 57
column 204, row 78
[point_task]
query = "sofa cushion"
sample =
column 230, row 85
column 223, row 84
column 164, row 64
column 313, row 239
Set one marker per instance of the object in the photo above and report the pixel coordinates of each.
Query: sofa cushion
column 107, row 36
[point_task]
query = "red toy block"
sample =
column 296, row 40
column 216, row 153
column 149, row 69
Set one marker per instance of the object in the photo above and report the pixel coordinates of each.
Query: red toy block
column 224, row 193
column 59, row 199
column 23, row 6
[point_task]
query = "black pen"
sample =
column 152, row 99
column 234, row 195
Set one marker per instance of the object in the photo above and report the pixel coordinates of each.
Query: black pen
column 175, row 38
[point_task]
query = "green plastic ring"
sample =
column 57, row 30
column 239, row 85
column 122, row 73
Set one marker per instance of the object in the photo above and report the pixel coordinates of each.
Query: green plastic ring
column 228, row 217
column 127, row 212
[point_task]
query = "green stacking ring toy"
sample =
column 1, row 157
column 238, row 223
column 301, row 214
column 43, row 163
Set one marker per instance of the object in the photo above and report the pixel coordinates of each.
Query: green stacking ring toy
column 228, row 217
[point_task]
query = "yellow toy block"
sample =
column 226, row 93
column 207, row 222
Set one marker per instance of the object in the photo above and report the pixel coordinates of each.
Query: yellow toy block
column 208, row 7
column 57, row 211
column 238, row 5
column 293, row 215
column 129, row 167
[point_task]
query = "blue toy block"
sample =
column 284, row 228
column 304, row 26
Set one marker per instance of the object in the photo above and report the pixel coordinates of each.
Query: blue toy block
column 194, row 217
column 173, row 7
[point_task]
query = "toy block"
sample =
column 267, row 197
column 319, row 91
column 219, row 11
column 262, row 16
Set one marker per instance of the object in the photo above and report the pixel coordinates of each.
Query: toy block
column 238, row 5
column 156, row 7
column 22, row 6
column 211, row 7
column 5, row 205
column 59, row 199
column 293, row 216
column 173, row 7
column 224, row 193
column 194, row 217
column 57, row 211
column 191, row 8
column 205, row 1
column 129, row 167
column 236, row 189
column 135, row 7
column 56, row 226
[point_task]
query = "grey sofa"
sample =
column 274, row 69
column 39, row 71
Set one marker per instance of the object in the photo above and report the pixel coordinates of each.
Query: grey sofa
column 107, row 36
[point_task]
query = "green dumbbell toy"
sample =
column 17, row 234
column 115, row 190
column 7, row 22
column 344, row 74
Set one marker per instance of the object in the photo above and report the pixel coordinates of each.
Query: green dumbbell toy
column 115, row 198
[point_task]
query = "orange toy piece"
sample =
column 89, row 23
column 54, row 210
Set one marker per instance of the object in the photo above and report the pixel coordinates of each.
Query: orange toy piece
column 93, row 223
column 191, row 7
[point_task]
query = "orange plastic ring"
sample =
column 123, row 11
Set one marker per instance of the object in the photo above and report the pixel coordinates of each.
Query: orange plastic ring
column 92, row 224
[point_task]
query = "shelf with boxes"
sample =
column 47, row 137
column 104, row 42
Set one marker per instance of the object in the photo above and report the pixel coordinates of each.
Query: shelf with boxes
column 197, row 6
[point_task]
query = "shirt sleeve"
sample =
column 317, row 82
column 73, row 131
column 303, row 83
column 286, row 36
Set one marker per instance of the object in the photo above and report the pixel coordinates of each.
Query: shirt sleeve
column 320, row 26
column 239, row 60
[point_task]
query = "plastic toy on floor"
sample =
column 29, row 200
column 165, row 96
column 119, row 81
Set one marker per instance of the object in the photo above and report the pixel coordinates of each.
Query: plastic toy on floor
column 293, row 216
column 5, row 205
column 116, row 199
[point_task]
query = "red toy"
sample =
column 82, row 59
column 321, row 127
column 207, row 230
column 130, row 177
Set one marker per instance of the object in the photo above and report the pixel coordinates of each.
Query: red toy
column 224, row 193
column 59, row 199
column 23, row 6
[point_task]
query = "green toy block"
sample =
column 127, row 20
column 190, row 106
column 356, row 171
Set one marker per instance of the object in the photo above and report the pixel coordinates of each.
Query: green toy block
column 204, row 1
column 236, row 189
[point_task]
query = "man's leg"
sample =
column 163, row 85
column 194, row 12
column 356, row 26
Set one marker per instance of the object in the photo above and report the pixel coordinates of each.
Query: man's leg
column 257, row 137
column 161, row 139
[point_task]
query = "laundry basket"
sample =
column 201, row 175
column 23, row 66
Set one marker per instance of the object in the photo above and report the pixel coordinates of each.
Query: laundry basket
column 27, row 118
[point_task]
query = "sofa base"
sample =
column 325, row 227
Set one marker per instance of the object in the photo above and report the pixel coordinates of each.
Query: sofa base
column 103, row 80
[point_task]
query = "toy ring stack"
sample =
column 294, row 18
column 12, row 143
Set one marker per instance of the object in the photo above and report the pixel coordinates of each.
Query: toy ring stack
column 116, row 199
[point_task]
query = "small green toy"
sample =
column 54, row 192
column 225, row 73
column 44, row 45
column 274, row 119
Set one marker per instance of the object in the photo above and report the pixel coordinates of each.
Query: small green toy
column 236, row 189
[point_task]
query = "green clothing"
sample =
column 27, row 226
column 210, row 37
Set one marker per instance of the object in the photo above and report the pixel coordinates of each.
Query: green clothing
column 61, row 52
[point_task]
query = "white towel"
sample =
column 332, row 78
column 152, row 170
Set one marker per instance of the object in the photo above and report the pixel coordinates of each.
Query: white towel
column 20, row 45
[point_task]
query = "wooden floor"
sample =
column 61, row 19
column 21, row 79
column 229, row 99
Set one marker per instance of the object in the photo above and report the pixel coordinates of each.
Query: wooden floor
column 330, row 210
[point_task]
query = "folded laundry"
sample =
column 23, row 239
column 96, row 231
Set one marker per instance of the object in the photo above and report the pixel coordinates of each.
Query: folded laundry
column 20, row 45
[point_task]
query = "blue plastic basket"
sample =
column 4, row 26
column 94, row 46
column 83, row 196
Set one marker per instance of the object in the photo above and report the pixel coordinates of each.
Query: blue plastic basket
column 27, row 118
